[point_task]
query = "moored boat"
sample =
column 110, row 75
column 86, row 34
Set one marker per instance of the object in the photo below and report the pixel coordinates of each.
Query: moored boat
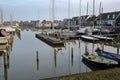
column 98, row 61
column 3, row 38
column 108, row 55
column 103, row 38
column 89, row 38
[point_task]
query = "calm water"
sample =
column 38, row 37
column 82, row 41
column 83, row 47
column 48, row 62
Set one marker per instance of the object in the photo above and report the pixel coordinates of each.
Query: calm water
column 23, row 62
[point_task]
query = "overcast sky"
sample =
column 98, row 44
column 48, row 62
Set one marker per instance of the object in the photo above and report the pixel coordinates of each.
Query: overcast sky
column 41, row 9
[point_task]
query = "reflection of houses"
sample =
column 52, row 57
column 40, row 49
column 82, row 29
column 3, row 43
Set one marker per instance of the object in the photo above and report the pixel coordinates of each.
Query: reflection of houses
column 109, row 19
column 13, row 23
column 29, row 24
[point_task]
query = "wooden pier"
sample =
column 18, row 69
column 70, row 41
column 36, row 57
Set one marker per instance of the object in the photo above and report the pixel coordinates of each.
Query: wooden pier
column 50, row 40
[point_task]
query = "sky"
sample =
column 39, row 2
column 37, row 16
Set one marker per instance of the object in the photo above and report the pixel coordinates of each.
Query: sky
column 27, row 10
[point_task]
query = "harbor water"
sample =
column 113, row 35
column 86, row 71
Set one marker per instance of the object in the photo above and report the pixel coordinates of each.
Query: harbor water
column 31, row 59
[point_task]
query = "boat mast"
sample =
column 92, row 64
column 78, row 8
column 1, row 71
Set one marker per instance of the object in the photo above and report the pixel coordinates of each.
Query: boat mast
column 87, row 8
column 80, row 13
column 100, row 15
column 38, row 14
column 11, row 20
column 93, row 7
column 1, row 16
column 53, row 11
column 69, row 14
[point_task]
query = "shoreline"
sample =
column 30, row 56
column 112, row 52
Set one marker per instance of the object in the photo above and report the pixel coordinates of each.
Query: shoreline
column 110, row 74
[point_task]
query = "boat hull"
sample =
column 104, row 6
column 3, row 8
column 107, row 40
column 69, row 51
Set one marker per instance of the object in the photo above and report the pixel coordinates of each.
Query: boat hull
column 88, row 38
column 102, row 38
column 3, row 41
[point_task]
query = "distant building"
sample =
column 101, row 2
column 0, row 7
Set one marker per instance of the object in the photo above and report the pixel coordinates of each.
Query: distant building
column 75, row 20
column 47, row 24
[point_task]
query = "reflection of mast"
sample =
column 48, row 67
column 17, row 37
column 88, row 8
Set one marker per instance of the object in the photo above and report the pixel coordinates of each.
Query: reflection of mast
column 53, row 13
column 55, row 61
column 69, row 60
column 79, row 57
column 72, row 56
column 5, row 66
column 37, row 59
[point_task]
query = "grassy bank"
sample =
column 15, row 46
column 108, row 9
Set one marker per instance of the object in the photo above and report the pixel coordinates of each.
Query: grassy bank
column 111, row 74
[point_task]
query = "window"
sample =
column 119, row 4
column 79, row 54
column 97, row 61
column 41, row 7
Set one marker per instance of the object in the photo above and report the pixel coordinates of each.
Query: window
column 108, row 16
column 113, row 16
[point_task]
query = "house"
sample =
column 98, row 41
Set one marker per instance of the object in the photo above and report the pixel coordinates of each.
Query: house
column 90, row 20
column 108, row 19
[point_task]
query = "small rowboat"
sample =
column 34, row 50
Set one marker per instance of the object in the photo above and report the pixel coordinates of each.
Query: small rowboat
column 98, row 61
column 108, row 55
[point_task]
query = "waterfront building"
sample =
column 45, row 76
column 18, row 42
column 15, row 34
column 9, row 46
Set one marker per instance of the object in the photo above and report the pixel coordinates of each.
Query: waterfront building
column 108, row 19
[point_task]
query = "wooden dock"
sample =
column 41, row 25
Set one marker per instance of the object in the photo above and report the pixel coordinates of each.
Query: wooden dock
column 50, row 40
